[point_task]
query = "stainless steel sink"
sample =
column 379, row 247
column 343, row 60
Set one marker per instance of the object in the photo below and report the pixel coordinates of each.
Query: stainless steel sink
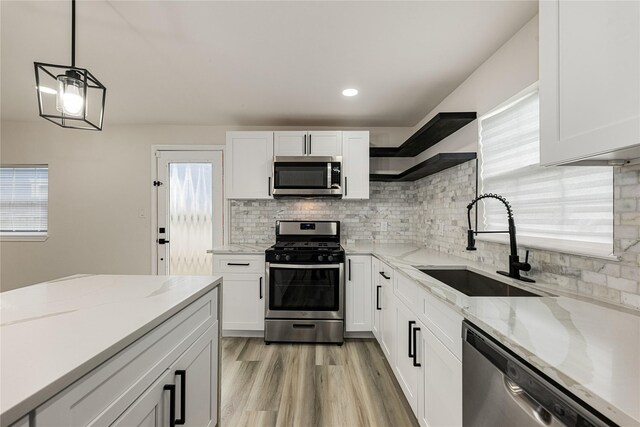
column 474, row 284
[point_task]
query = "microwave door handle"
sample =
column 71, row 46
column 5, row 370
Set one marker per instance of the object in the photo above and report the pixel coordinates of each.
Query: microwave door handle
column 328, row 173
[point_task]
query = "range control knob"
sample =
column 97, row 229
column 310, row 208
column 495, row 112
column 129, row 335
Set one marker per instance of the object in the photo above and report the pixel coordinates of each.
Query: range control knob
column 287, row 258
column 320, row 258
column 330, row 258
column 278, row 257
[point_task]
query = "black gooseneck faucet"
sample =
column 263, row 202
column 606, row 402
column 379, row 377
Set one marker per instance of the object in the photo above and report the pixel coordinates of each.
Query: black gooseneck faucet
column 515, row 266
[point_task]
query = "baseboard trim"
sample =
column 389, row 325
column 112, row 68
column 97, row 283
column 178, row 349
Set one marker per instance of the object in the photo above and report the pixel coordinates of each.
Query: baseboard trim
column 243, row 334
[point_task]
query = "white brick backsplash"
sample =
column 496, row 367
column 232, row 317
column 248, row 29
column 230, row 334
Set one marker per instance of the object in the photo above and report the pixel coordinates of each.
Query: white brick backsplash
column 432, row 212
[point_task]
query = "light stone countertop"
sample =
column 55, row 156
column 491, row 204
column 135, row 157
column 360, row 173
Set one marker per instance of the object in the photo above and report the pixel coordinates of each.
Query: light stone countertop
column 242, row 249
column 590, row 348
column 53, row 333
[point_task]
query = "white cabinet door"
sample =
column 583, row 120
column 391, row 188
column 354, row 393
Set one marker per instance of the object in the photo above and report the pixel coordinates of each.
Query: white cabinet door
column 249, row 165
column 152, row 408
column 440, row 401
column 387, row 315
column 324, row 143
column 589, row 84
column 200, row 377
column 358, row 293
column 355, row 164
column 291, row 143
column 243, row 302
column 376, row 292
column 407, row 374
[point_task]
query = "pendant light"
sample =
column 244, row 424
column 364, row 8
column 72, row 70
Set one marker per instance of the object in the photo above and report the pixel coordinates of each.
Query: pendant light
column 70, row 96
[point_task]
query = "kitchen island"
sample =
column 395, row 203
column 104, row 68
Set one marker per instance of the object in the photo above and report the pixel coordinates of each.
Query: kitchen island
column 96, row 347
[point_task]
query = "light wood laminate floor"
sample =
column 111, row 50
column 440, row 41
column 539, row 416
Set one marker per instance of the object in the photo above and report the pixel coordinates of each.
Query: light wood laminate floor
column 309, row 385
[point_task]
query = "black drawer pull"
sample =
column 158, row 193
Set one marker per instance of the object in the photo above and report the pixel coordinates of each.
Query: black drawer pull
column 269, row 186
column 378, row 297
column 172, row 404
column 349, row 269
column 415, row 345
column 183, row 396
column 260, row 285
column 411, row 323
column 384, row 275
column 242, row 264
column 303, row 326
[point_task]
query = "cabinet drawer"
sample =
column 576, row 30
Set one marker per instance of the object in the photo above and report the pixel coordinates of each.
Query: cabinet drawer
column 444, row 322
column 238, row 264
column 101, row 396
column 407, row 291
column 384, row 276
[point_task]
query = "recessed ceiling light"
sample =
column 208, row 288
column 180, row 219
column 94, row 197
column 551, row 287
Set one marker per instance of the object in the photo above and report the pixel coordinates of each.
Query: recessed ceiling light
column 45, row 89
column 350, row 92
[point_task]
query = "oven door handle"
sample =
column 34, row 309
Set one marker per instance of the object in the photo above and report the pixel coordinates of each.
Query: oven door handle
column 305, row 266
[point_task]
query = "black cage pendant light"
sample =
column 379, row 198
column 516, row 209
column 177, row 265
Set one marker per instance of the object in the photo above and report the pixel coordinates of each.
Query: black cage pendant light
column 70, row 96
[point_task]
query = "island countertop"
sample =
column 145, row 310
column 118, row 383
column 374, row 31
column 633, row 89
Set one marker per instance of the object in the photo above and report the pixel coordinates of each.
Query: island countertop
column 53, row 333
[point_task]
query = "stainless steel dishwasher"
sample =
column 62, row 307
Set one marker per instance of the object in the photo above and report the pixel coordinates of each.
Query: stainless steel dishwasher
column 499, row 389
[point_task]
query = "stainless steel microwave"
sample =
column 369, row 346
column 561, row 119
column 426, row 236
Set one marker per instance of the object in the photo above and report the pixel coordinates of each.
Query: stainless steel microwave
column 307, row 176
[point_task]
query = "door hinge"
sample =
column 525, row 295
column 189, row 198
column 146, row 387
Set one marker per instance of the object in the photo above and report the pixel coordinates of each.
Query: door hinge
column 157, row 183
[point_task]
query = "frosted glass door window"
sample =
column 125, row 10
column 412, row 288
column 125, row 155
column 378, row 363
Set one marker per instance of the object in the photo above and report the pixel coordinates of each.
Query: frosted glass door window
column 190, row 218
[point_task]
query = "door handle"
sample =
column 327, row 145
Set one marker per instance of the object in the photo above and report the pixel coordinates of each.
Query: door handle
column 309, row 144
column 269, row 186
column 349, row 270
column 384, row 275
column 378, row 297
column 183, row 396
column 172, row 404
column 304, row 145
column 411, row 323
column 345, row 186
column 162, row 241
column 260, row 286
column 527, row 403
column 415, row 347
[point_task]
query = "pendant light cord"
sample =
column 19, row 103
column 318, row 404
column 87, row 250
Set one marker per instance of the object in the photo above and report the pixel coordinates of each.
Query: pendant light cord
column 73, row 33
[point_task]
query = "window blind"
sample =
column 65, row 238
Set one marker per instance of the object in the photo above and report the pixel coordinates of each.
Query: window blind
column 570, row 204
column 24, row 200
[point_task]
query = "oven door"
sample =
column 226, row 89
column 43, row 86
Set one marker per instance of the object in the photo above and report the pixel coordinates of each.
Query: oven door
column 298, row 291
column 306, row 176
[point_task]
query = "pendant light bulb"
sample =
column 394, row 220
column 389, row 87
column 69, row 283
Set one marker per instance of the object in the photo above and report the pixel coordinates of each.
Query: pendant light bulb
column 70, row 96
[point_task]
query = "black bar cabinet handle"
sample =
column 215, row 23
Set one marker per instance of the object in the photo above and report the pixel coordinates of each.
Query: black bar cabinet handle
column 260, row 285
column 172, row 404
column 415, row 351
column 345, row 186
column 183, row 396
column 411, row 323
column 309, row 144
column 349, row 270
column 304, row 144
column 378, row 297
column 384, row 275
column 243, row 264
column 269, row 188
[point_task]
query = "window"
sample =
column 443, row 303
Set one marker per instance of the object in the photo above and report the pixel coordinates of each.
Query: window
column 24, row 201
column 568, row 208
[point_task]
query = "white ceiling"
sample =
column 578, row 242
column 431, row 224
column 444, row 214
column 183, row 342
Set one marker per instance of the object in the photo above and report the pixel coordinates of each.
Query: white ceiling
column 258, row 63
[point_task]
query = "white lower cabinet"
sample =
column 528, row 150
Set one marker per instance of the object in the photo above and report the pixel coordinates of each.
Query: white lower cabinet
column 422, row 342
column 358, row 293
column 244, row 291
column 133, row 387
column 440, row 403
column 407, row 367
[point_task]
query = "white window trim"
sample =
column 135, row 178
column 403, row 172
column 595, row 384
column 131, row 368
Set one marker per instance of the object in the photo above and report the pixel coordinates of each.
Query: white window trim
column 585, row 249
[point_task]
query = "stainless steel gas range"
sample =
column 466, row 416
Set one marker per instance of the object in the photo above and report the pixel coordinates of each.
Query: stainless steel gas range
column 305, row 283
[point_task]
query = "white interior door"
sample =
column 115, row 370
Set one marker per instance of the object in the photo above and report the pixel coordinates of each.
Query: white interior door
column 189, row 212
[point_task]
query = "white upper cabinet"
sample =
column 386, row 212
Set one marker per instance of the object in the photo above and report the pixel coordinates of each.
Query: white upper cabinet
column 249, row 165
column 589, row 80
column 308, row 143
column 355, row 165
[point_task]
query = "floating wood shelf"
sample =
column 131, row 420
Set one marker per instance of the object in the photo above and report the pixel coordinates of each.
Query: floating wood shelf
column 436, row 129
column 432, row 165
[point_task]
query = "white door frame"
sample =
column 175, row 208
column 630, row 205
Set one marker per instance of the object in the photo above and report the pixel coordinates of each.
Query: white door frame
column 153, row 211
